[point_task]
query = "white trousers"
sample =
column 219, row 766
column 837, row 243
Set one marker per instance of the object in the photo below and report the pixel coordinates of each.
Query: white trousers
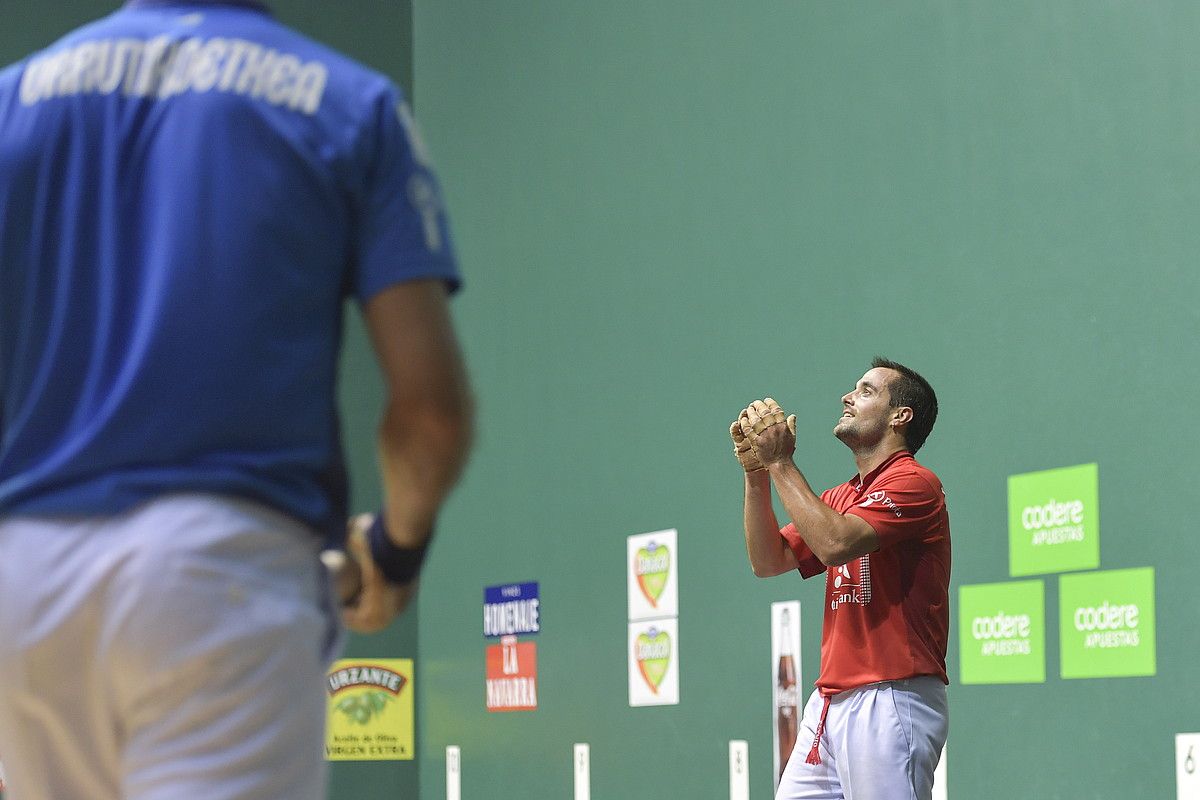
column 881, row 742
column 175, row 651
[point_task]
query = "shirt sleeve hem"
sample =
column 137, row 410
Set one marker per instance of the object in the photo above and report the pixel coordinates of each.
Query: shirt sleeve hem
column 432, row 270
column 807, row 563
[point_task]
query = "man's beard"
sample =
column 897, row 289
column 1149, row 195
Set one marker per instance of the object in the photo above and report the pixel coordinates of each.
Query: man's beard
column 853, row 435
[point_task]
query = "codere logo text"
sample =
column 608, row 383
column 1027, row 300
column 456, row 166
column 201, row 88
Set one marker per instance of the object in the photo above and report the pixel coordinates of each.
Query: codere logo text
column 1003, row 634
column 1108, row 625
column 1054, row 522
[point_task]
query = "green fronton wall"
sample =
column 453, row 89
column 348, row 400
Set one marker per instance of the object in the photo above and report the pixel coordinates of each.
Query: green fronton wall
column 666, row 210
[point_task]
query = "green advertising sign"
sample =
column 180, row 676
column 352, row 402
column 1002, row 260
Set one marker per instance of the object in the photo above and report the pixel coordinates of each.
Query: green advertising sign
column 1107, row 623
column 1002, row 632
column 1054, row 520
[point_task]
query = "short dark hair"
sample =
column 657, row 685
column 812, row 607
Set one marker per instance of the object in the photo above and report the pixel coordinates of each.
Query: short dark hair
column 913, row 391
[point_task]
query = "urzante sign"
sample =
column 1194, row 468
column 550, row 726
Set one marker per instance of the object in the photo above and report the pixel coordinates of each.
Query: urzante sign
column 370, row 710
column 1054, row 520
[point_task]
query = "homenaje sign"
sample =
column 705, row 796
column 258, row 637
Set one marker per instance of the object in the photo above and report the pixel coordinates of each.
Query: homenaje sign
column 510, row 611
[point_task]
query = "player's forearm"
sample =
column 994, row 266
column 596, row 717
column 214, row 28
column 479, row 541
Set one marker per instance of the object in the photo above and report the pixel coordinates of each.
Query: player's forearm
column 764, row 546
column 823, row 529
column 422, row 452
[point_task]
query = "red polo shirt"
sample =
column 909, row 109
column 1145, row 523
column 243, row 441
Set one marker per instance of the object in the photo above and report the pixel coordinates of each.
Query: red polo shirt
column 887, row 614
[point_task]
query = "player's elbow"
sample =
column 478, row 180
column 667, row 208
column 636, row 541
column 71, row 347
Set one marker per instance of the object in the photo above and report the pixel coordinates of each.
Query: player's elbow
column 453, row 426
column 762, row 569
column 442, row 428
column 844, row 551
column 834, row 557
column 848, row 537
column 764, row 572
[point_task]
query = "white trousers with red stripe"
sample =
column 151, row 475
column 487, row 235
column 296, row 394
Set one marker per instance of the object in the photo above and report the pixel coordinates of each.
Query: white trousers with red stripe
column 881, row 742
column 175, row 651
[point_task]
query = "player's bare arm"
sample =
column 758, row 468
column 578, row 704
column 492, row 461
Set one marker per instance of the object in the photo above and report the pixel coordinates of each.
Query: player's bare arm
column 769, row 554
column 834, row 538
column 427, row 424
column 424, row 436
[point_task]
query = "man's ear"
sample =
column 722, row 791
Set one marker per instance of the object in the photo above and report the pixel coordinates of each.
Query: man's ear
column 901, row 416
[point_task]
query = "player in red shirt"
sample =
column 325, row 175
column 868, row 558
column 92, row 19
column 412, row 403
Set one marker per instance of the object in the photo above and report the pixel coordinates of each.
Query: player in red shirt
column 875, row 726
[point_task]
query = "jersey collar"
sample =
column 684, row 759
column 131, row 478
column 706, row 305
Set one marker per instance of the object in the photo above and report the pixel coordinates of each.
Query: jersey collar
column 859, row 486
column 253, row 5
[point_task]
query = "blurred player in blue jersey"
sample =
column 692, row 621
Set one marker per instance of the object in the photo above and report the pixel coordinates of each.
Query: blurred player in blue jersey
column 190, row 191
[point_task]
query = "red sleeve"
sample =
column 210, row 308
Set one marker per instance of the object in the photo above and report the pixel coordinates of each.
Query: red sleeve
column 902, row 507
column 807, row 563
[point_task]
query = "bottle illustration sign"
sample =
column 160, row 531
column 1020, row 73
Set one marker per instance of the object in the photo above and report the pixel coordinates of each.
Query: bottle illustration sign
column 652, row 568
column 785, row 675
column 654, row 663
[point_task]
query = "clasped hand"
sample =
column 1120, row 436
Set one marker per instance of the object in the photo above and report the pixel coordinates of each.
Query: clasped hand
column 369, row 601
column 762, row 435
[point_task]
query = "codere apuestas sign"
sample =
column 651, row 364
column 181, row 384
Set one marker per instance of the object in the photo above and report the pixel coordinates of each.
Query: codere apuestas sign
column 1002, row 632
column 1054, row 520
column 1106, row 623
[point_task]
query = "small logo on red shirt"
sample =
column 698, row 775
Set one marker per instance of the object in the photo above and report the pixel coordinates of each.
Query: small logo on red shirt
column 851, row 583
column 881, row 497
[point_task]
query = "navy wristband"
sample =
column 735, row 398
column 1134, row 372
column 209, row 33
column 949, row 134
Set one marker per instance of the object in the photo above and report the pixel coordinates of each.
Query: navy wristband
column 400, row 565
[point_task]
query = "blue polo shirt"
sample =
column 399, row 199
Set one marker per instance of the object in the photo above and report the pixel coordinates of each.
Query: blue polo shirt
column 190, row 191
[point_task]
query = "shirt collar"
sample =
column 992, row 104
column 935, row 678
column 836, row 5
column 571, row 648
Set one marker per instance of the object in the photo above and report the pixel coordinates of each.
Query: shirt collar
column 252, row 5
column 859, row 486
